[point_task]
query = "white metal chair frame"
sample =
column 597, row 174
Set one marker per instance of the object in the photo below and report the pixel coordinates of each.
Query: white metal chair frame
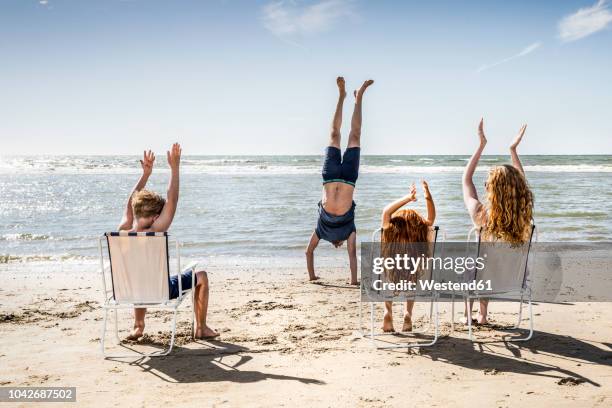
column 433, row 313
column 524, row 291
column 172, row 304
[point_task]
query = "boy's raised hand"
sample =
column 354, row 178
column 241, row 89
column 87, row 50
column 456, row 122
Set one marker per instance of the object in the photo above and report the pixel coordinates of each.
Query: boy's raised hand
column 148, row 158
column 174, row 156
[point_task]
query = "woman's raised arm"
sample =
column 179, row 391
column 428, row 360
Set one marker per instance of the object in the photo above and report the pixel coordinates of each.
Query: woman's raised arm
column 470, row 196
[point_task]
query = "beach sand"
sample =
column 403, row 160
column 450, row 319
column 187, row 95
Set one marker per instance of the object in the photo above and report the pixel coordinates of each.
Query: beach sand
column 286, row 342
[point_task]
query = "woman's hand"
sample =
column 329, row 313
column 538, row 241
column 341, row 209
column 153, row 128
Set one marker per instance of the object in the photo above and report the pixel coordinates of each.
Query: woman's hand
column 481, row 134
column 519, row 137
column 147, row 162
column 426, row 191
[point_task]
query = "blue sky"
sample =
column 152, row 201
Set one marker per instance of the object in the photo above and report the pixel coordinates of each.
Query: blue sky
column 258, row 77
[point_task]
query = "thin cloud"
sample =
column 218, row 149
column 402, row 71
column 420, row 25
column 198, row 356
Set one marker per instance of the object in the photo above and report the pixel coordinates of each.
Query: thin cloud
column 527, row 50
column 290, row 18
column 585, row 22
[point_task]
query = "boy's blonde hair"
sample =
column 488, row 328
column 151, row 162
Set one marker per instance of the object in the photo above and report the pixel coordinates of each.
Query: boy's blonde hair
column 147, row 203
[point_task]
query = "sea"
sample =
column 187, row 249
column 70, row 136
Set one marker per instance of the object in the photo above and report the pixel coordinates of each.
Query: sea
column 258, row 210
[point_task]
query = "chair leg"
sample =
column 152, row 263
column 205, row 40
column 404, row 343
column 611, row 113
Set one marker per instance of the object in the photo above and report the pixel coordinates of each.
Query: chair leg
column 520, row 313
column 469, row 320
column 453, row 312
column 103, row 335
column 117, row 340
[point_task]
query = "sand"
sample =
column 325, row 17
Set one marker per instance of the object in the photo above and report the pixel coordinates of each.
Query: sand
column 286, row 342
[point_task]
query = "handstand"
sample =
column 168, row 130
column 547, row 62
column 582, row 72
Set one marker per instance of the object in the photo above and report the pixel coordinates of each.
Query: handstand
column 336, row 222
column 148, row 211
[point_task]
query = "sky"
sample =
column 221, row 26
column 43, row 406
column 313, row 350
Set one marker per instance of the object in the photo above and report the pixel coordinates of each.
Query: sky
column 258, row 77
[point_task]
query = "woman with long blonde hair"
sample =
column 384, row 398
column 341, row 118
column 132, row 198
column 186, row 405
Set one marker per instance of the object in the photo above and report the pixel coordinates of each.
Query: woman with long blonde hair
column 507, row 214
column 403, row 226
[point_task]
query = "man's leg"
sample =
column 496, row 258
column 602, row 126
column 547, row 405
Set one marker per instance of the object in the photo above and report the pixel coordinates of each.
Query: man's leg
column 201, row 307
column 139, row 324
column 352, row 253
column 337, row 121
column 355, row 135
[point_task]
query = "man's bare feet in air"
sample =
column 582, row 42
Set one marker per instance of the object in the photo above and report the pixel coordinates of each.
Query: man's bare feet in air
column 407, row 323
column 358, row 93
column 205, row 333
column 341, row 86
column 388, row 323
column 136, row 333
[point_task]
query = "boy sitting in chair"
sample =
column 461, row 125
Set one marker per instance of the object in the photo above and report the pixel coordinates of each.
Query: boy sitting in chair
column 148, row 211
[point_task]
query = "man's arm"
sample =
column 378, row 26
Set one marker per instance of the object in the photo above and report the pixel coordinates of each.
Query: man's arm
column 312, row 245
column 396, row 205
column 470, row 196
column 127, row 221
column 431, row 208
column 162, row 223
column 516, row 162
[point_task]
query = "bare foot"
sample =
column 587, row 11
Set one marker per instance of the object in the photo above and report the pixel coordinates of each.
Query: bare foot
column 482, row 319
column 136, row 334
column 407, row 323
column 354, row 283
column 464, row 320
column 341, row 86
column 388, row 323
column 205, row 333
column 313, row 278
column 359, row 93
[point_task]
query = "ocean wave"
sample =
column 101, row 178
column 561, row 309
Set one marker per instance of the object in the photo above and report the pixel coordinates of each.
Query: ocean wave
column 7, row 258
column 24, row 237
column 273, row 166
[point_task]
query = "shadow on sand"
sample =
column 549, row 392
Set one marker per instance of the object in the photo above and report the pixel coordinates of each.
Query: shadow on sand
column 206, row 364
column 488, row 357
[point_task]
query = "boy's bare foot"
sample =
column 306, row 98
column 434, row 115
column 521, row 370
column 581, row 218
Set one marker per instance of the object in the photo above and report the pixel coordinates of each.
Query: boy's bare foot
column 482, row 319
column 136, row 334
column 407, row 323
column 205, row 333
column 359, row 92
column 341, row 86
column 388, row 323
column 313, row 278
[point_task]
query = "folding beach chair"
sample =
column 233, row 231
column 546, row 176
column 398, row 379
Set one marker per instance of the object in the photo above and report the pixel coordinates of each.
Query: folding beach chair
column 433, row 307
column 139, row 268
column 507, row 268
